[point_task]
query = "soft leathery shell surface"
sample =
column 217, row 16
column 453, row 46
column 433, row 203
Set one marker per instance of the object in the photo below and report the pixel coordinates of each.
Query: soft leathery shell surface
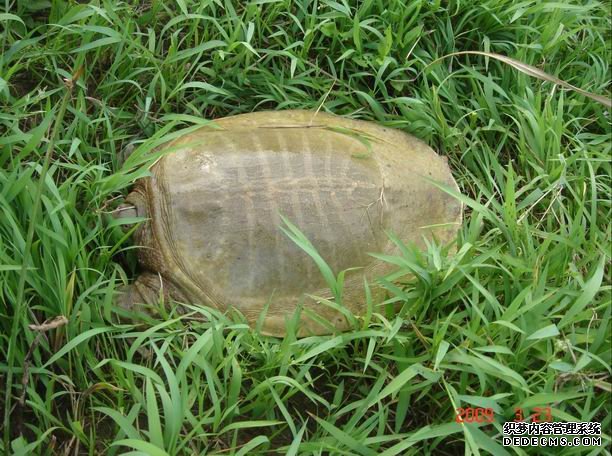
column 215, row 202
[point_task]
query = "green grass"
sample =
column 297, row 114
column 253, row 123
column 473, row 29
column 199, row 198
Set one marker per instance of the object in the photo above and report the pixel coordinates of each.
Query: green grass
column 518, row 317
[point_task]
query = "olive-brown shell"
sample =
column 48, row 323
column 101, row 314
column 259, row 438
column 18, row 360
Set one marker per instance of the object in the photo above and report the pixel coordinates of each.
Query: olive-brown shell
column 215, row 203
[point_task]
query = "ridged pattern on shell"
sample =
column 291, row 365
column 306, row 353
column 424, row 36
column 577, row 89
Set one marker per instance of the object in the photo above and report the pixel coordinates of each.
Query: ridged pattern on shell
column 226, row 207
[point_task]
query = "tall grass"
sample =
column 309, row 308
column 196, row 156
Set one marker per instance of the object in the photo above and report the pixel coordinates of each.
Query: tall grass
column 519, row 316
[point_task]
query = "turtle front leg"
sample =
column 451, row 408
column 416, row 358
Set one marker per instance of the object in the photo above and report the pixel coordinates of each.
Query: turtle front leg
column 145, row 294
column 141, row 295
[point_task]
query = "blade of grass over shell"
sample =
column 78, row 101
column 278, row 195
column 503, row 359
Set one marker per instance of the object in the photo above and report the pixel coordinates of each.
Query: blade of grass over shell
column 294, row 233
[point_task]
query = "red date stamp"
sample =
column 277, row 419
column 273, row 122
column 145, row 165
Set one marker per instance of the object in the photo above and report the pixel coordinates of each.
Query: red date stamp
column 487, row 415
column 538, row 415
column 474, row 415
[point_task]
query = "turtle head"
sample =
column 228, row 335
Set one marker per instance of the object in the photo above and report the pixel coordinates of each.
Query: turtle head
column 133, row 206
column 132, row 211
column 125, row 211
